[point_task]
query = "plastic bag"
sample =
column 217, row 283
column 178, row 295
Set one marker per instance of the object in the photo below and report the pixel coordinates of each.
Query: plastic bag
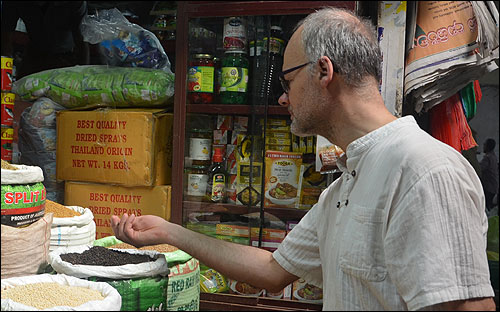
column 93, row 86
column 122, row 43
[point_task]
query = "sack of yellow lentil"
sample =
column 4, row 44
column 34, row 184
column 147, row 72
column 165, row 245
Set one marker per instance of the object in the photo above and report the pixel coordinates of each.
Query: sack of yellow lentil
column 23, row 194
column 183, row 292
column 72, row 225
column 59, row 292
column 25, row 250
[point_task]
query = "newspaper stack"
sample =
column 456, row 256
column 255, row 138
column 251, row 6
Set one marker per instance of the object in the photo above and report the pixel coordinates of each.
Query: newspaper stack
column 453, row 44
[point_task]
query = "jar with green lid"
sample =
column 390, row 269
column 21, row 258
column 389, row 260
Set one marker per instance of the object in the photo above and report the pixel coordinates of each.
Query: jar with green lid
column 234, row 82
column 197, row 183
column 200, row 146
column 201, row 79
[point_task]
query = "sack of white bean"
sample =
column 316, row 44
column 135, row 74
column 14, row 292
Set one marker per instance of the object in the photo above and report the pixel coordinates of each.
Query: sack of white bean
column 57, row 292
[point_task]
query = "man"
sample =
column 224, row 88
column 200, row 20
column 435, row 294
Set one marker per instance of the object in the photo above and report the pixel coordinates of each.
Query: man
column 489, row 172
column 403, row 228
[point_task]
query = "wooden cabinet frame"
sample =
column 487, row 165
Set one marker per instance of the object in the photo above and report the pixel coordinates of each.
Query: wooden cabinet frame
column 194, row 9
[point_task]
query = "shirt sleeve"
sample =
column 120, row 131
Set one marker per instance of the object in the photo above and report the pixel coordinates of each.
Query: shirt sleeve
column 435, row 244
column 299, row 251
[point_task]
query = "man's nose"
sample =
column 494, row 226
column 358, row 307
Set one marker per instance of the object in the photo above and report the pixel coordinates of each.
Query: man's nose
column 283, row 99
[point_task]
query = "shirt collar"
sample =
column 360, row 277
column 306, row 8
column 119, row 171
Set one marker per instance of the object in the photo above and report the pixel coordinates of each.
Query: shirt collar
column 356, row 148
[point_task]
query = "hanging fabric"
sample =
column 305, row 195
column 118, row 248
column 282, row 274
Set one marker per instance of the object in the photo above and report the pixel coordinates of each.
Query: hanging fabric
column 467, row 96
column 449, row 124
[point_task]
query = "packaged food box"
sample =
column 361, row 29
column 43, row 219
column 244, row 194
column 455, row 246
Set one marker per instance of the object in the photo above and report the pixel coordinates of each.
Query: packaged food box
column 271, row 238
column 282, row 179
column 131, row 147
column 105, row 200
column 303, row 291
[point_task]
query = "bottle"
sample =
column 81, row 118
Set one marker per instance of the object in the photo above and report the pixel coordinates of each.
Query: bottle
column 201, row 80
column 259, row 67
column 271, row 85
column 234, row 83
column 197, row 179
column 200, row 145
column 217, row 178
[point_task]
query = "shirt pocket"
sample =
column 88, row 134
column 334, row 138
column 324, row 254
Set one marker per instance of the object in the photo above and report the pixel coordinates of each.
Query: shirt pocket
column 361, row 252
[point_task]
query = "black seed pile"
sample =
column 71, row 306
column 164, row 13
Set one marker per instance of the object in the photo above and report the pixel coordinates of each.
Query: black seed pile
column 98, row 255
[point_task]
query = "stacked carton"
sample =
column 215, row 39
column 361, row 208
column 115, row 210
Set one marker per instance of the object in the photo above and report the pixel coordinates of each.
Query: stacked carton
column 116, row 161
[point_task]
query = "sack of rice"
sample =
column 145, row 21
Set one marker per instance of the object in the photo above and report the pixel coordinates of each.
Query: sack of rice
column 57, row 293
column 23, row 194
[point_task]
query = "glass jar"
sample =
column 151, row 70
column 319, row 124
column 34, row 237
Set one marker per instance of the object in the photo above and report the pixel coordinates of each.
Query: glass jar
column 197, row 183
column 234, row 83
column 200, row 146
column 201, row 79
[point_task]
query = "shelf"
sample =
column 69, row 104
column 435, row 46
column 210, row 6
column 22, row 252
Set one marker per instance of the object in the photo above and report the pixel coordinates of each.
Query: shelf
column 235, row 109
column 222, row 302
column 282, row 213
column 163, row 12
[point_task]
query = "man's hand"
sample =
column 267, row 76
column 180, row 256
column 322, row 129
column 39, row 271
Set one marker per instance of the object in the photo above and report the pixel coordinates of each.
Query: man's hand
column 139, row 231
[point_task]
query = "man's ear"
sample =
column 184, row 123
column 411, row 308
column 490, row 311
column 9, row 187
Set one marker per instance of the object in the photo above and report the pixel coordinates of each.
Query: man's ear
column 325, row 71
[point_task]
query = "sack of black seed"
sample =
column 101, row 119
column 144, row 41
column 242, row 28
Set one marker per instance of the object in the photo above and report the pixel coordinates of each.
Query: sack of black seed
column 140, row 276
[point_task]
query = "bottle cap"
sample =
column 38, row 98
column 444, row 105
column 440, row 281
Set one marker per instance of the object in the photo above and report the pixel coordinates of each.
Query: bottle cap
column 218, row 157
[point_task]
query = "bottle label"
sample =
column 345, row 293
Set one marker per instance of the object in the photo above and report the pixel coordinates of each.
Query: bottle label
column 218, row 187
column 199, row 149
column 197, row 184
column 276, row 45
column 201, row 79
column 234, row 79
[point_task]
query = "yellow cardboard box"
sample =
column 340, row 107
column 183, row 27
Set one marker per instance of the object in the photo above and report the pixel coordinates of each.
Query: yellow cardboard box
column 106, row 200
column 131, row 147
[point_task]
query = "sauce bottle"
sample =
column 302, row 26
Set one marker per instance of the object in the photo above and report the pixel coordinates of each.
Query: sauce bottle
column 217, row 178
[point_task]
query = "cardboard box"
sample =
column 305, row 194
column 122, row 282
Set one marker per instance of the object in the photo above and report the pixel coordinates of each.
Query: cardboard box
column 271, row 238
column 131, row 147
column 105, row 200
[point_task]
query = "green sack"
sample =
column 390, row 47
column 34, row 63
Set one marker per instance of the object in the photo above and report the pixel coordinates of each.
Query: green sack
column 183, row 290
column 492, row 243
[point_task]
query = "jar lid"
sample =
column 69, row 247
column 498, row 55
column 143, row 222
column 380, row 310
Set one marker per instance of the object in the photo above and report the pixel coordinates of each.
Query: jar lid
column 235, row 51
column 199, row 167
column 200, row 130
column 203, row 55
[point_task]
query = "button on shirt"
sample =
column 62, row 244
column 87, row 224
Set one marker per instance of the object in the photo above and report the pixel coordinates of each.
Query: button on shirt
column 403, row 228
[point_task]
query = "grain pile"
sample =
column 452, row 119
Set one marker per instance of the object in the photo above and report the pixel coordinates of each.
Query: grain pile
column 160, row 247
column 6, row 165
column 48, row 295
column 60, row 211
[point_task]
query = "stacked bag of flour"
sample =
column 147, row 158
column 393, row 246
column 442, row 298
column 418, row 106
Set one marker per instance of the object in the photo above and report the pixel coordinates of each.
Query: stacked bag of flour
column 71, row 225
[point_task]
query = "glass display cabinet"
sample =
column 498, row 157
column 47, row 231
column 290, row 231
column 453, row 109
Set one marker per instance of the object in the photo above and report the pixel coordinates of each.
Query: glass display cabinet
column 238, row 173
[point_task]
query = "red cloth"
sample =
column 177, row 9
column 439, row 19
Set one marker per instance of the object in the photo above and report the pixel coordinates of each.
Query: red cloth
column 477, row 91
column 449, row 124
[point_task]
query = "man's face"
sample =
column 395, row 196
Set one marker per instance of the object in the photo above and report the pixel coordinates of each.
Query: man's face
column 301, row 95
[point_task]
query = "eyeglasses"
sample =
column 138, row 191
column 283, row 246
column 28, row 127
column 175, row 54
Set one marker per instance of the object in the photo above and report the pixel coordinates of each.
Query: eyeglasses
column 285, row 84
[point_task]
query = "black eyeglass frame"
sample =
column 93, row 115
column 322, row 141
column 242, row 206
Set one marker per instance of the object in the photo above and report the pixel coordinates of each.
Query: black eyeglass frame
column 285, row 84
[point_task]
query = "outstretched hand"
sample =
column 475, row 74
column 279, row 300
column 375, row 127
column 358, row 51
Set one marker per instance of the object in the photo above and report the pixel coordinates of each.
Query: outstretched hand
column 139, row 231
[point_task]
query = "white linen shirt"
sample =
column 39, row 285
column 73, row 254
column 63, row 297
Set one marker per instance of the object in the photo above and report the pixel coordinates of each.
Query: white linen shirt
column 403, row 228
